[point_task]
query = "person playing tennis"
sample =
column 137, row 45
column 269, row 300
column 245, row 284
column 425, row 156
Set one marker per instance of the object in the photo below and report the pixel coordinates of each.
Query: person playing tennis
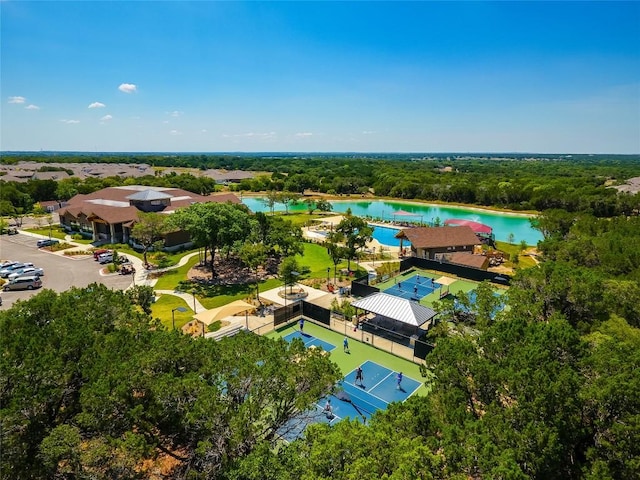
column 359, row 376
column 328, row 411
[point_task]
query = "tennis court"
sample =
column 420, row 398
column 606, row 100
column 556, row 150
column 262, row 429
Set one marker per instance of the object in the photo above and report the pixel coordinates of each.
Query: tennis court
column 357, row 402
column 414, row 288
column 310, row 341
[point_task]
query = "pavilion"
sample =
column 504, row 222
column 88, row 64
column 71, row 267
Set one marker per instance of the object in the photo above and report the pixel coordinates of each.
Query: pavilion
column 395, row 313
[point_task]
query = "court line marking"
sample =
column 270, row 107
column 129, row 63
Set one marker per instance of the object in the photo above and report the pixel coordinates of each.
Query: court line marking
column 368, row 391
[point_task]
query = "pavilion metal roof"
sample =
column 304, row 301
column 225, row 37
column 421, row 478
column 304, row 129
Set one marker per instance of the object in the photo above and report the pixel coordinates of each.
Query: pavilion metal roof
column 396, row 308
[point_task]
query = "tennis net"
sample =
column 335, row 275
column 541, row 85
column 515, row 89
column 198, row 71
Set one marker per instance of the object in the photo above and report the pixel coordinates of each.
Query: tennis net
column 363, row 400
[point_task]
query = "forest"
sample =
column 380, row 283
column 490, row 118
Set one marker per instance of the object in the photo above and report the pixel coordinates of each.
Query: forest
column 93, row 387
column 523, row 183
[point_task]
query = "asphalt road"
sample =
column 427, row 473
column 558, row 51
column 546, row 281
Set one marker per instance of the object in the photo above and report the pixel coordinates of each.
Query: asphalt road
column 60, row 272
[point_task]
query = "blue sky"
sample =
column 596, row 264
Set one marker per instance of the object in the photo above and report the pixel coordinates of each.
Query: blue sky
column 558, row 77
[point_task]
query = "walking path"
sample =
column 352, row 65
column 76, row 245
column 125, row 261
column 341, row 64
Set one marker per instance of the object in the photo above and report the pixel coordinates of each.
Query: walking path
column 187, row 297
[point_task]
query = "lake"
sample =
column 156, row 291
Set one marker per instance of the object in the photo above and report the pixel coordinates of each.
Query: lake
column 502, row 223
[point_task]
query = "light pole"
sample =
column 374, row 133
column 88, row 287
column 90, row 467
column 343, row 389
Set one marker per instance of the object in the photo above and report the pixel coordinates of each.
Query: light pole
column 173, row 314
column 328, row 272
column 193, row 292
column 374, row 256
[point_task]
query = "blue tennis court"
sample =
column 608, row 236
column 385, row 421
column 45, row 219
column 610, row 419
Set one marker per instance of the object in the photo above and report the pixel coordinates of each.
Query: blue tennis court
column 414, row 288
column 357, row 402
column 310, row 341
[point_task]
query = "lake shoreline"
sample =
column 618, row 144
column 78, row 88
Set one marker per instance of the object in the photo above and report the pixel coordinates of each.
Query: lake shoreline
column 354, row 198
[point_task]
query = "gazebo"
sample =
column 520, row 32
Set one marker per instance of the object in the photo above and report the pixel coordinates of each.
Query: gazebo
column 395, row 313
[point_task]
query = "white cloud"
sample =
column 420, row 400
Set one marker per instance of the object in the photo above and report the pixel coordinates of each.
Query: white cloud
column 254, row 134
column 96, row 105
column 17, row 99
column 175, row 113
column 175, row 132
column 304, row 134
column 70, row 122
column 204, row 130
column 128, row 88
column 32, row 107
column 106, row 118
column 368, row 132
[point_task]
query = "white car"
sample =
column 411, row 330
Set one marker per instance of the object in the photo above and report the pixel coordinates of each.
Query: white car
column 5, row 272
column 26, row 271
column 105, row 257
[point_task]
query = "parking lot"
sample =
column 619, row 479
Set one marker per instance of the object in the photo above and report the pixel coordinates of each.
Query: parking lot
column 60, row 272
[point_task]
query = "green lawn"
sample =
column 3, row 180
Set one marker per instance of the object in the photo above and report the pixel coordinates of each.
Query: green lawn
column 56, row 232
column 524, row 261
column 218, row 295
column 169, row 280
column 315, row 257
column 165, row 304
column 300, row 219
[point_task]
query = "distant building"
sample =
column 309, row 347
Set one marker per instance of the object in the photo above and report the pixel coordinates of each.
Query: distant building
column 52, row 205
column 109, row 214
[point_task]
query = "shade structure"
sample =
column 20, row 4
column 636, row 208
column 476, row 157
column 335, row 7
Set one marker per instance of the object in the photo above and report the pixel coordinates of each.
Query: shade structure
column 396, row 308
column 333, row 221
column 475, row 226
column 404, row 213
column 209, row 316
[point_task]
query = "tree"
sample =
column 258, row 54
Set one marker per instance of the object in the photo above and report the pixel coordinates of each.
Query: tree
column 324, row 205
column 288, row 198
column 213, row 225
column 354, row 232
column 612, row 395
column 289, row 271
column 337, row 253
column 143, row 296
column 271, row 198
column 311, row 205
column 92, row 387
column 284, row 237
column 487, row 305
column 254, row 255
column 149, row 228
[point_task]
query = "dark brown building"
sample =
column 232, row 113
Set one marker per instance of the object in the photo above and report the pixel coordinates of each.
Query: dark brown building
column 109, row 214
column 434, row 243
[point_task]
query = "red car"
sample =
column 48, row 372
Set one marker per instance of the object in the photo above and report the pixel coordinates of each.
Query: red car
column 100, row 251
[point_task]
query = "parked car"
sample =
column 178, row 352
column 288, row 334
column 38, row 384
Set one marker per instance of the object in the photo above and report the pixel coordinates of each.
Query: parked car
column 23, row 283
column 47, row 242
column 27, row 271
column 7, row 263
column 106, row 257
column 5, row 272
column 98, row 252
column 12, row 231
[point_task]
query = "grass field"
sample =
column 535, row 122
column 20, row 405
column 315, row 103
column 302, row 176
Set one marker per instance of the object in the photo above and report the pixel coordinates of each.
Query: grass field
column 165, row 304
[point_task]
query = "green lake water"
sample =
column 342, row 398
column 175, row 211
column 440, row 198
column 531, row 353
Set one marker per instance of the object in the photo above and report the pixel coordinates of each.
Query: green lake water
column 503, row 224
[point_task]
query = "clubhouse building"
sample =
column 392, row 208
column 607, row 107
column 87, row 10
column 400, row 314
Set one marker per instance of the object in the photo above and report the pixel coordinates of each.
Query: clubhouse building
column 108, row 215
column 445, row 244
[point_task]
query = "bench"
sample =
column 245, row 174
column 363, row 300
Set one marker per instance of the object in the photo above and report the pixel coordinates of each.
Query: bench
column 229, row 331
